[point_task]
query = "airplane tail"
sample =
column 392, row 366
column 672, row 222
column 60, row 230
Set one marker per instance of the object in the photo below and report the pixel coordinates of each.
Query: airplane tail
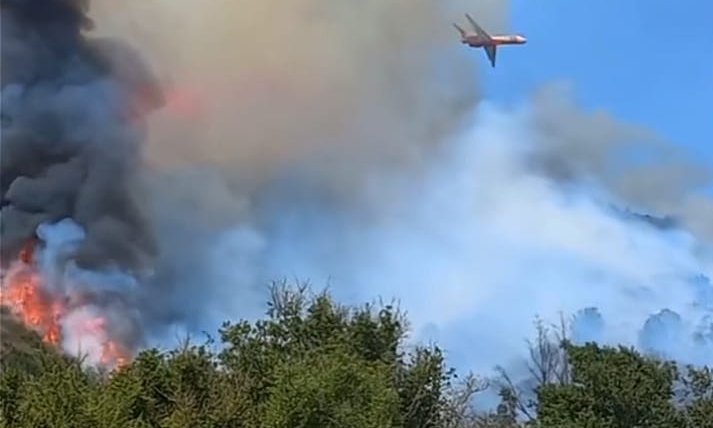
column 460, row 30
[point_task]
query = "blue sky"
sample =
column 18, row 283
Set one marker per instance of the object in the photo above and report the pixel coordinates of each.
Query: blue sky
column 646, row 61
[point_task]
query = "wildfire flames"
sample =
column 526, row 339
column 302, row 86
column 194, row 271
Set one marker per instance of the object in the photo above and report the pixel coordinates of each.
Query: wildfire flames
column 24, row 292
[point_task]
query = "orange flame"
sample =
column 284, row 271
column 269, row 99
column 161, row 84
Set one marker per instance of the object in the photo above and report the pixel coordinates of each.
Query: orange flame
column 23, row 294
column 37, row 308
column 114, row 354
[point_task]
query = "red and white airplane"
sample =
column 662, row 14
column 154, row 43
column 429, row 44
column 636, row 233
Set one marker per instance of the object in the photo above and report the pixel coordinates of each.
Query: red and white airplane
column 481, row 39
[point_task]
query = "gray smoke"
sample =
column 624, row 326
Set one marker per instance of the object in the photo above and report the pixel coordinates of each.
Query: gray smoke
column 638, row 168
column 256, row 127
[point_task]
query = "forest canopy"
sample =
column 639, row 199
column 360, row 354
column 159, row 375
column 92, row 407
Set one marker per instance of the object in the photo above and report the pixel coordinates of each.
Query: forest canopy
column 311, row 362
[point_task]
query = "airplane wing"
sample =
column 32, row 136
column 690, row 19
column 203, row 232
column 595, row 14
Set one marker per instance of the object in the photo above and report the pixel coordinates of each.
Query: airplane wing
column 482, row 33
column 491, row 50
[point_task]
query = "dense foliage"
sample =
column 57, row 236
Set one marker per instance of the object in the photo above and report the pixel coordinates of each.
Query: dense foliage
column 312, row 363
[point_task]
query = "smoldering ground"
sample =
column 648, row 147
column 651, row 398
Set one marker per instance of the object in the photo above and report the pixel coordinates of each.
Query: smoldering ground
column 347, row 142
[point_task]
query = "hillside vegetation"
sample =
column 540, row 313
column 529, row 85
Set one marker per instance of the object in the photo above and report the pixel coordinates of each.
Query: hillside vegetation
column 312, row 363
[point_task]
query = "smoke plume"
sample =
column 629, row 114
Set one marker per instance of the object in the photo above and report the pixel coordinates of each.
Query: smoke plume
column 381, row 85
column 273, row 104
column 346, row 143
column 70, row 133
column 72, row 122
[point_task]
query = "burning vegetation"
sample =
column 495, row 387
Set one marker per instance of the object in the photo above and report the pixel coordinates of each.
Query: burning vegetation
column 23, row 294
column 29, row 298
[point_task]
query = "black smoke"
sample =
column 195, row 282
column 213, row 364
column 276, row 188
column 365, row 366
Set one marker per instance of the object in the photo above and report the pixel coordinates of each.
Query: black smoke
column 72, row 127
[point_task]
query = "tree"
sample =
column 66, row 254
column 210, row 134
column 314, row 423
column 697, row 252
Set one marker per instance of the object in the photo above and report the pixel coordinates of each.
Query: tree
column 302, row 332
column 610, row 388
column 697, row 397
column 331, row 389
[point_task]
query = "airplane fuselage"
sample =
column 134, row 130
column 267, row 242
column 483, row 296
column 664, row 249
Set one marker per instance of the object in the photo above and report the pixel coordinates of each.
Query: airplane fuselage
column 479, row 38
column 477, row 41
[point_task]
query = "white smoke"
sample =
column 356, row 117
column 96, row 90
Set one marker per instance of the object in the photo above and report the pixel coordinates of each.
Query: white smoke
column 367, row 190
column 94, row 310
column 481, row 245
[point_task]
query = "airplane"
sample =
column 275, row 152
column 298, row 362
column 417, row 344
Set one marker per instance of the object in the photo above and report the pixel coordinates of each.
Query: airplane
column 481, row 39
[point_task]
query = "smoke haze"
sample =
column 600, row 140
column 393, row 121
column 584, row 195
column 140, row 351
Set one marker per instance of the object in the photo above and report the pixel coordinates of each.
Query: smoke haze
column 276, row 104
column 347, row 143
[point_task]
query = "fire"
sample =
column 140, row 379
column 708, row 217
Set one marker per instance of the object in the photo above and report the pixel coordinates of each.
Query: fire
column 112, row 353
column 35, row 307
column 24, row 293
